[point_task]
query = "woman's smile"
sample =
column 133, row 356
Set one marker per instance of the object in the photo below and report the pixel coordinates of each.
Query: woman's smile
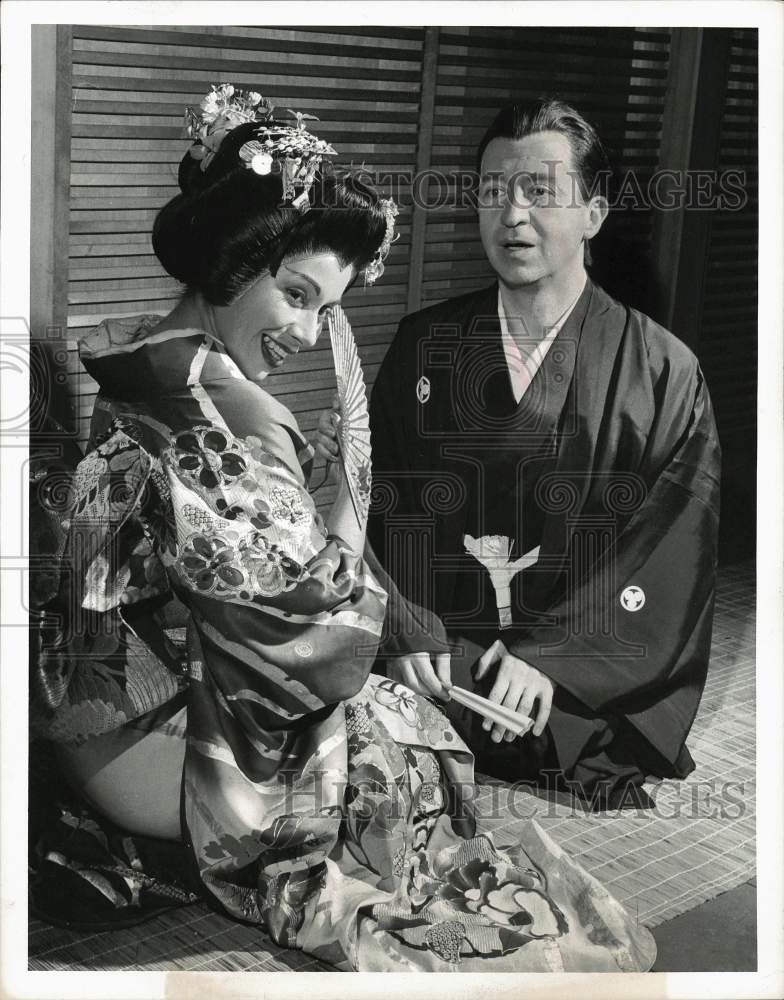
column 281, row 314
column 273, row 352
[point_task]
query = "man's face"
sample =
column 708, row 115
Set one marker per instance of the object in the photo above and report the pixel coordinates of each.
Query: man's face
column 532, row 216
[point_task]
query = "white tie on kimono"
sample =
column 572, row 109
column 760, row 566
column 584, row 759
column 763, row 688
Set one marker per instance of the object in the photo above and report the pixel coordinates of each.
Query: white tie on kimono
column 492, row 551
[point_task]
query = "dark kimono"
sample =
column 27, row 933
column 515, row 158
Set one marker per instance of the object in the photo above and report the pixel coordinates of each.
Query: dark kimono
column 319, row 802
column 599, row 494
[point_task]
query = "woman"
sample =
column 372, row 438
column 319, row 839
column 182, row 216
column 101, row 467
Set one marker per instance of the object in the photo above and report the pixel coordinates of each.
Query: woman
column 330, row 806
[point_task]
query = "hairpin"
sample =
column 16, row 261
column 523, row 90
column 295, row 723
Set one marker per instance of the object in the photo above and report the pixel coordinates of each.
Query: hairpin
column 375, row 268
column 297, row 152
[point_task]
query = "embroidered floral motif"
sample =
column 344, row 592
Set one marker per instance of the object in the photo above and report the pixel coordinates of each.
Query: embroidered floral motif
column 258, row 514
column 399, row 698
column 445, row 939
column 126, row 480
column 209, row 457
column 87, row 479
column 198, row 518
column 287, row 507
column 430, row 722
column 159, row 524
column 399, row 861
column 224, row 565
column 427, row 794
column 210, row 564
column 161, row 483
column 270, row 569
column 504, row 894
column 357, row 720
column 104, row 444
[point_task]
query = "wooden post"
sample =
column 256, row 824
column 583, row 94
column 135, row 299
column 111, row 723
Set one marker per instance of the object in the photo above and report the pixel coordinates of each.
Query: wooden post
column 51, row 47
column 699, row 62
column 51, row 169
column 427, row 102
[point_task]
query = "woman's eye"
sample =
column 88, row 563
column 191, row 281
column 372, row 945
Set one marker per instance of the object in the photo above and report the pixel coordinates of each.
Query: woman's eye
column 296, row 295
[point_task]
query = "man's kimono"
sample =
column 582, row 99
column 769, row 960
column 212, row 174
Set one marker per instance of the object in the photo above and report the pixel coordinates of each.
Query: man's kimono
column 599, row 493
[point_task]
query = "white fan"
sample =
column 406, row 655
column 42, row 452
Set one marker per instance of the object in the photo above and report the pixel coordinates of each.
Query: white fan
column 354, row 424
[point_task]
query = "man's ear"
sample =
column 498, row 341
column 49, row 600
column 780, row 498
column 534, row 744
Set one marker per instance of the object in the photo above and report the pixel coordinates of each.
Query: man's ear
column 598, row 209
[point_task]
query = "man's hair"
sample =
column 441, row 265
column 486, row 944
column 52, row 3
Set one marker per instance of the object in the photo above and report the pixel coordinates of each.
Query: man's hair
column 548, row 114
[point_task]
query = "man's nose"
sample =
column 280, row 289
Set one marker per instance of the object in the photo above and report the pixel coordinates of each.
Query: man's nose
column 516, row 209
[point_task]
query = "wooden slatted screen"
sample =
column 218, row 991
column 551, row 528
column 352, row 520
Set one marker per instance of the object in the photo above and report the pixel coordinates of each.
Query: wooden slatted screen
column 130, row 87
column 728, row 342
column 616, row 77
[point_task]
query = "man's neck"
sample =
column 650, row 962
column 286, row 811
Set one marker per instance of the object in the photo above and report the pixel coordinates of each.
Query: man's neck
column 539, row 306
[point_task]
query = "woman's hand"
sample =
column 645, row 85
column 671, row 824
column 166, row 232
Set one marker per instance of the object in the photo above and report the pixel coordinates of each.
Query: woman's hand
column 417, row 672
column 325, row 438
column 517, row 686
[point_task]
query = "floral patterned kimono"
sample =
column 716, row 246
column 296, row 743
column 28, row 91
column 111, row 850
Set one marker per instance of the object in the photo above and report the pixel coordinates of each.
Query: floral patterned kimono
column 326, row 804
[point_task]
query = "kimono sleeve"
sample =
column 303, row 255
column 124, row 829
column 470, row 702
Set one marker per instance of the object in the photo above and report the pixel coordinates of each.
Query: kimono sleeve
column 273, row 597
column 631, row 635
column 410, row 628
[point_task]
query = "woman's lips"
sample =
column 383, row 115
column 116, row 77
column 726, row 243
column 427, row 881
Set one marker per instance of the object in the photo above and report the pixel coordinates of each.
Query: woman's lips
column 274, row 353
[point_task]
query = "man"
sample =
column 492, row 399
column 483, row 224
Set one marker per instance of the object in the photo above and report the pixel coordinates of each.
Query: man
column 547, row 468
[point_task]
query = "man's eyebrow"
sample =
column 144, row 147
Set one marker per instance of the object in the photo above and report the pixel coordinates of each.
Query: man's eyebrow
column 529, row 175
column 538, row 175
column 306, row 277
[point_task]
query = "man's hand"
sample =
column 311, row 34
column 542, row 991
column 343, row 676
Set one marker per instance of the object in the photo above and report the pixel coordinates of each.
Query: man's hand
column 517, row 686
column 417, row 672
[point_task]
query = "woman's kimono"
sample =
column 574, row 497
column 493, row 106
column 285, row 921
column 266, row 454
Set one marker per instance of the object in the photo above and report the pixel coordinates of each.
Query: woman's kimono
column 329, row 806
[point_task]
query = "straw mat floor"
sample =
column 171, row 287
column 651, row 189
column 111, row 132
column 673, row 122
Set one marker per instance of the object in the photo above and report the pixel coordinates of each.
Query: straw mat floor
column 696, row 844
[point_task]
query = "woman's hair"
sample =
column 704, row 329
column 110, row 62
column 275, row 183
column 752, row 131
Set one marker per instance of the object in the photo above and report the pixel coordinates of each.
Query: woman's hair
column 228, row 225
column 547, row 114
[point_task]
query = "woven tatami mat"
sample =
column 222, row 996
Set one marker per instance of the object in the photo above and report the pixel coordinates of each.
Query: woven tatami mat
column 696, row 844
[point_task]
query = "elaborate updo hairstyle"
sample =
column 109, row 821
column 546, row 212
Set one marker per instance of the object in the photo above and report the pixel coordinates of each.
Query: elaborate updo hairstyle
column 228, row 226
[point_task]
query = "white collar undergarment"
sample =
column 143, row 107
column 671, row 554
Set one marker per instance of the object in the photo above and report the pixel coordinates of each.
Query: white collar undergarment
column 524, row 364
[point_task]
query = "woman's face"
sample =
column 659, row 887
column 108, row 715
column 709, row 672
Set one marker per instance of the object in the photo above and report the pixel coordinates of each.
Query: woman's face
column 282, row 314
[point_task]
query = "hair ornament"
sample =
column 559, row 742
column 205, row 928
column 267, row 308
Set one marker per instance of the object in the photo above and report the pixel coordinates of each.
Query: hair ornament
column 222, row 110
column 289, row 149
column 297, row 152
column 375, row 268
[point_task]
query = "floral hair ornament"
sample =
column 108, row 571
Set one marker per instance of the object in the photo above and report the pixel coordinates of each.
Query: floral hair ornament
column 222, row 110
column 298, row 152
column 294, row 151
column 375, row 268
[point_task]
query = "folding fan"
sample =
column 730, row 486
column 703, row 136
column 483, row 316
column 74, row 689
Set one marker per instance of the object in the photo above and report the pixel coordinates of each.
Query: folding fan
column 354, row 425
